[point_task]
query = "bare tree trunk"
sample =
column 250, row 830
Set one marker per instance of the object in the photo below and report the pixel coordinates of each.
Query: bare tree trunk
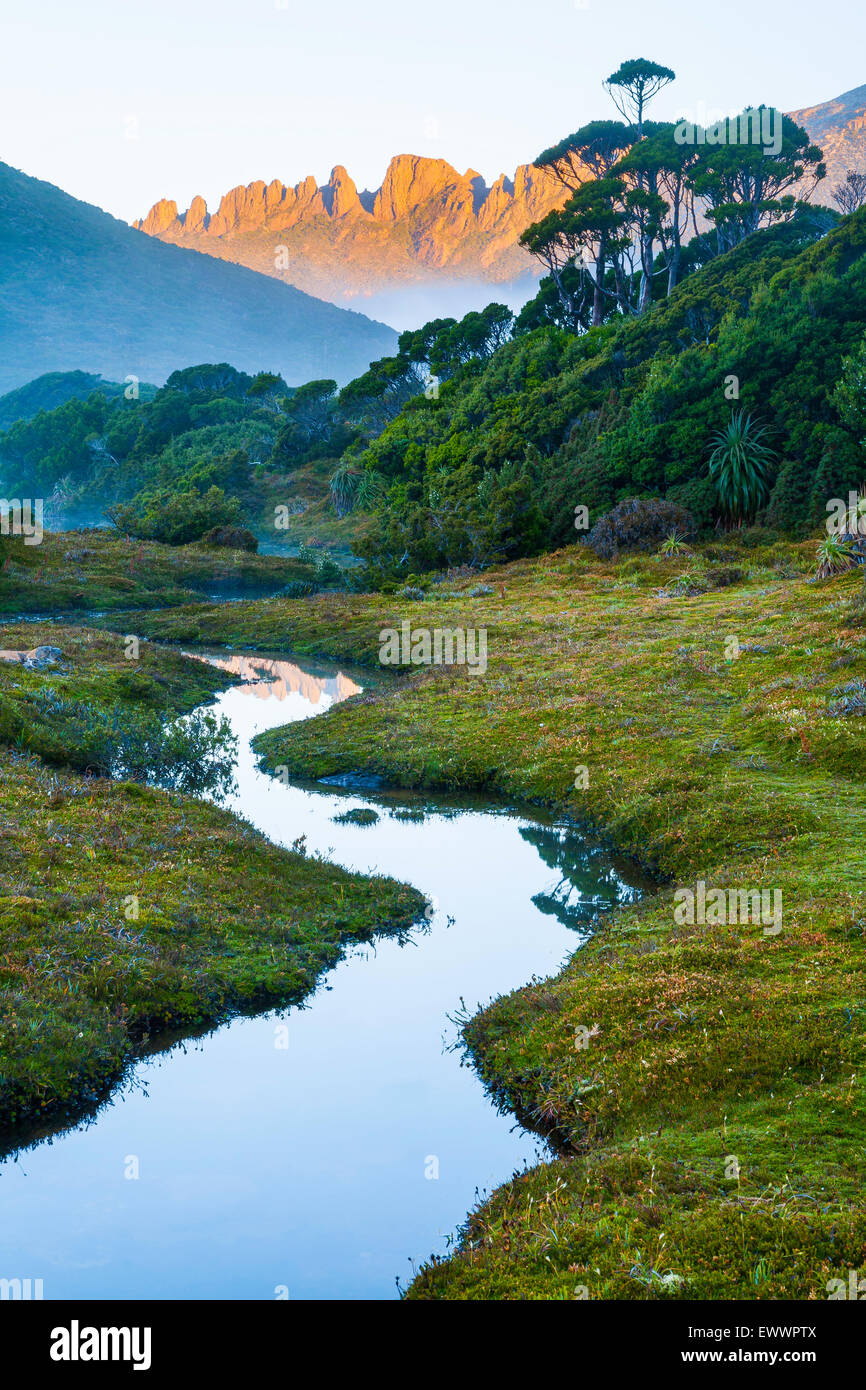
column 646, row 273
column 564, row 298
column 619, row 281
column 598, row 294
column 674, row 266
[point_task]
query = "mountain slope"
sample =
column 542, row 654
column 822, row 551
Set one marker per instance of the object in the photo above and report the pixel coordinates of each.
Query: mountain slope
column 426, row 225
column 81, row 290
column 54, row 389
column 839, row 127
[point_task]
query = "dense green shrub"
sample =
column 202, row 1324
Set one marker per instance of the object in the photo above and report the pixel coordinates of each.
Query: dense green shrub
column 175, row 518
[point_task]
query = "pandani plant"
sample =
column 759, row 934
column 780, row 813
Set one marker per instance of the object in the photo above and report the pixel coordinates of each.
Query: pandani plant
column 741, row 466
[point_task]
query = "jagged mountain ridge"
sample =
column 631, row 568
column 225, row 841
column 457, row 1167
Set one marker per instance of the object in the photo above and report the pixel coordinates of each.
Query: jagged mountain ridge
column 426, row 223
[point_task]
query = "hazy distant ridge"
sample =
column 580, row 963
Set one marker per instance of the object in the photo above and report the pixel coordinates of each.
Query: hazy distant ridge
column 80, row 289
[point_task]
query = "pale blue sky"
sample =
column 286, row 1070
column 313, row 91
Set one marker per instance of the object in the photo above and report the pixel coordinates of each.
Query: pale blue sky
column 121, row 103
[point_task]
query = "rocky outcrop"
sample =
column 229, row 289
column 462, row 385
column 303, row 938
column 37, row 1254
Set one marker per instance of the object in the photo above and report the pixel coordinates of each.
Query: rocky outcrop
column 425, row 221
column 161, row 216
column 839, row 128
column 37, row 659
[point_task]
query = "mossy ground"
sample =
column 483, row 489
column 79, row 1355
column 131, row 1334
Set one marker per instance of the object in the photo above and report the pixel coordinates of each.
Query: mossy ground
column 98, row 571
column 712, row 1129
column 226, row 921
column 94, row 665
column 94, row 669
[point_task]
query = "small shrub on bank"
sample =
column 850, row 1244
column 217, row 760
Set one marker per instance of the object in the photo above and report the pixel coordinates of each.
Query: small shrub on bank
column 231, row 538
column 639, row 523
column 193, row 755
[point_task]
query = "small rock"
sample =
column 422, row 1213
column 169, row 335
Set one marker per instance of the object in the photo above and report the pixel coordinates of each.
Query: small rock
column 39, row 657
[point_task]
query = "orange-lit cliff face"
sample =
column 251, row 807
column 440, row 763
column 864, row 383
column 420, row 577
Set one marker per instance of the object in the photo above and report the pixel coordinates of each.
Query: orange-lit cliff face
column 839, row 127
column 426, row 223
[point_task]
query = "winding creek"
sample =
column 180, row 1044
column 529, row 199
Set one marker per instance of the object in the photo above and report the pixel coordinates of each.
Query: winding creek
column 327, row 1167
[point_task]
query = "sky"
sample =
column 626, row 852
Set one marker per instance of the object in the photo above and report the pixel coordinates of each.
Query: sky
column 123, row 103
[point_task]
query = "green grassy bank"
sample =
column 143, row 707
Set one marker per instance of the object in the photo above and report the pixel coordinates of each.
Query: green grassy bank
column 99, row 571
column 704, row 1081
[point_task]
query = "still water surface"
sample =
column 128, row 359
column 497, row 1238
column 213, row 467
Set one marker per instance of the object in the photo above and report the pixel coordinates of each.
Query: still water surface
column 308, row 1167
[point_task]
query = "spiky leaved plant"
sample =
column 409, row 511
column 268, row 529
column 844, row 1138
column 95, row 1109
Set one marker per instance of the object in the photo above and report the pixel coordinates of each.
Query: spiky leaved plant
column 370, row 490
column 834, row 556
column 740, row 466
column 673, row 544
column 343, row 487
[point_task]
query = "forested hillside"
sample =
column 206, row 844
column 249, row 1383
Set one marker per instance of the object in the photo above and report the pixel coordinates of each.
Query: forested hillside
column 552, row 421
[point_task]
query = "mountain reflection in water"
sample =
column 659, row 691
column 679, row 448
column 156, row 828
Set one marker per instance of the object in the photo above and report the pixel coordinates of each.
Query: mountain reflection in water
column 267, row 679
